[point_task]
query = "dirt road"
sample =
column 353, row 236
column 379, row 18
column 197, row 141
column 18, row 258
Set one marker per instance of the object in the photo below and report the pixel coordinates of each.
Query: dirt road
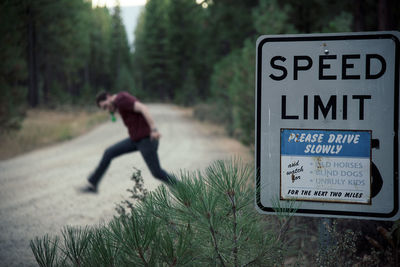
column 38, row 190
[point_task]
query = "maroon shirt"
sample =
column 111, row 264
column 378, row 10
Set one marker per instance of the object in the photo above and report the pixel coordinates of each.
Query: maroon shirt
column 137, row 125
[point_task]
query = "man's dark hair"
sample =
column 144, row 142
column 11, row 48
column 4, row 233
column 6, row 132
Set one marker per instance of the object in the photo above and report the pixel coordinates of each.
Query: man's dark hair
column 101, row 96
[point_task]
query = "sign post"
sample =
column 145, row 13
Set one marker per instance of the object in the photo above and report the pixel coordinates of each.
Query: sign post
column 327, row 114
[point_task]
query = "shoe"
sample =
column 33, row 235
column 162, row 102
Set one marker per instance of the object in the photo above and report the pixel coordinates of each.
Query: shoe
column 89, row 188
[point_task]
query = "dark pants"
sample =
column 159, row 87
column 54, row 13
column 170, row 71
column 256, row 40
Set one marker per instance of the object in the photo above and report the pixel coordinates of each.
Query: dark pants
column 148, row 149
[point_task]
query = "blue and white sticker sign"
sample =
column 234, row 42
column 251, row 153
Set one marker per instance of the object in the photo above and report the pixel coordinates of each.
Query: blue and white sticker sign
column 327, row 124
column 326, row 165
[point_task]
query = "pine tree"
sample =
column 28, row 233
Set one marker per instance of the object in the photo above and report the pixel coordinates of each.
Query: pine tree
column 207, row 219
column 13, row 67
column 120, row 55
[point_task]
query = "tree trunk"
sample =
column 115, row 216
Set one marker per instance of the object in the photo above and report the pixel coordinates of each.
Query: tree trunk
column 384, row 18
column 46, row 84
column 33, row 94
column 359, row 16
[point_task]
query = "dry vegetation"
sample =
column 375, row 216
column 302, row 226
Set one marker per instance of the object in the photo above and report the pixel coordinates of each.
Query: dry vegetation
column 44, row 127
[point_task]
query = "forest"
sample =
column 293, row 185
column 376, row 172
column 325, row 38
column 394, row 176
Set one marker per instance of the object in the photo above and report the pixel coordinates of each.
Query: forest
column 198, row 53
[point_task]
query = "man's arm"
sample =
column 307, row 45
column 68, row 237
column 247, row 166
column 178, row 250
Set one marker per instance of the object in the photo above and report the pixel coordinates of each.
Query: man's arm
column 142, row 108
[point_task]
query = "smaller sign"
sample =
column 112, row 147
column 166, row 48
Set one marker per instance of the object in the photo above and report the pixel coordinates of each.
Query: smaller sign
column 326, row 165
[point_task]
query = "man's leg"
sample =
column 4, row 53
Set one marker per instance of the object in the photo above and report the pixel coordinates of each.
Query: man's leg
column 148, row 148
column 120, row 148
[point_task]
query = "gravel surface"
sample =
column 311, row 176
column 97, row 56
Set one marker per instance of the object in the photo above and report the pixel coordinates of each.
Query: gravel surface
column 38, row 190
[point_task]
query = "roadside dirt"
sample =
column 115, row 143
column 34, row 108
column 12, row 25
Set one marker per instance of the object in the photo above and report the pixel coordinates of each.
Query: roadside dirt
column 38, row 190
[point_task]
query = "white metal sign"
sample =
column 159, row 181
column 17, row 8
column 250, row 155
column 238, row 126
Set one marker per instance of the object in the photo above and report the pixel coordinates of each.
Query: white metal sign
column 327, row 111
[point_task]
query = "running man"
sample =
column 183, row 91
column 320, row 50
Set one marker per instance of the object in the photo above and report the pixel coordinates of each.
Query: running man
column 143, row 137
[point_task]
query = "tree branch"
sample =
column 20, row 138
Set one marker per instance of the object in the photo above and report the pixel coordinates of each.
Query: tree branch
column 235, row 241
column 215, row 243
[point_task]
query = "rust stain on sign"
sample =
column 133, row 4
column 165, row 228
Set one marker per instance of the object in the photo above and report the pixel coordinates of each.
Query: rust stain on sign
column 318, row 161
column 296, row 138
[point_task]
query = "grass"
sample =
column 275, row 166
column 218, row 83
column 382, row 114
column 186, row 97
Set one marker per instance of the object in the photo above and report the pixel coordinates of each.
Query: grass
column 43, row 127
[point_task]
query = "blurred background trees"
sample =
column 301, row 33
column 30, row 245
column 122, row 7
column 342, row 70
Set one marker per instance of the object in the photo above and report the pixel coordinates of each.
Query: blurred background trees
column 58, row 52
column 188, row 52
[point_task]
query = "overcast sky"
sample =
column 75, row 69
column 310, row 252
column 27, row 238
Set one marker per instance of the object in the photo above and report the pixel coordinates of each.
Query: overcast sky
column 130, row 15
column 130, row 10
column 122, row 3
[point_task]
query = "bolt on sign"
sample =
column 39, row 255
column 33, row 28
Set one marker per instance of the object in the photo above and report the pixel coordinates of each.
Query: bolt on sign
column 327, row 119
